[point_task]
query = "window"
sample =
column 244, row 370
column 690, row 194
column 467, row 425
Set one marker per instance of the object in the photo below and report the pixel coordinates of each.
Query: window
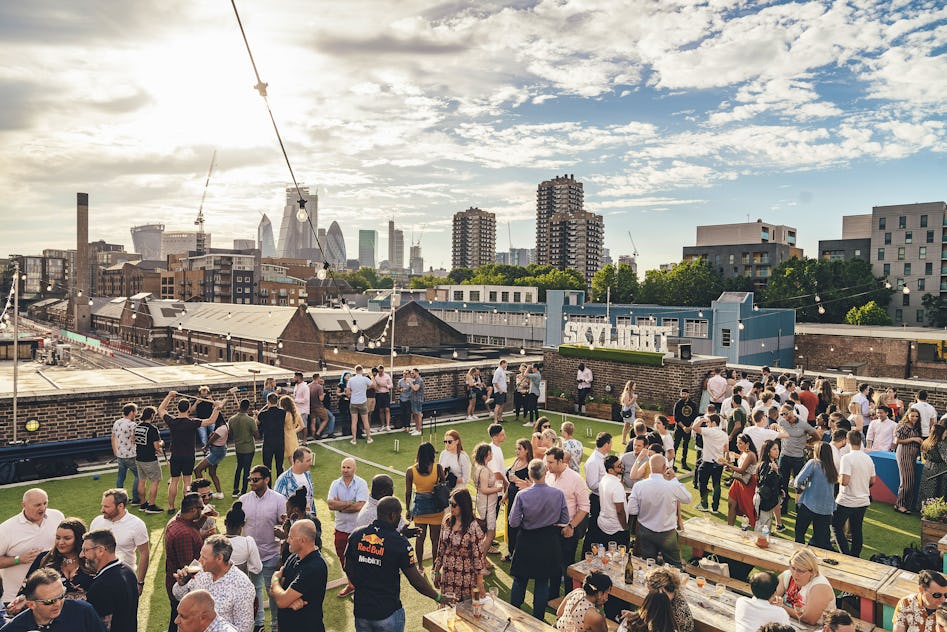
column 909, row 237
column 474, row 295
column 930, row 236
column 928, row 269
column 745, row 258
column 528, row 297
column 493, row 296
column 887, row 239
column 458, row 295
column 650, row 320
column 923, row 221
column 922, row 252
column 881, row 254
column 907, row 269
column 898, row 315
column 695, row 328
column 921, row 283
column 673, row 323
column 517, row 297
column 716, row 260
column 887, row 269
column 900, row 283
column 505, row 297
column 725, row 338
column 900, row 253
column 920, row 313
column 905, row 299
column 882, row 223
column 732, row 258
column 858, row 252
column 902, row 221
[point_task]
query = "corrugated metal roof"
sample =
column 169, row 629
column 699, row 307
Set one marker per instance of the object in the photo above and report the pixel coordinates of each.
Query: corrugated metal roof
column 250, row 322
column 328, row 319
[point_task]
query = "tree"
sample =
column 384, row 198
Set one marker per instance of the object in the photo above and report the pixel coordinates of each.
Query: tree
column 554, row 279
column 839, row 285
column 689, row 283
column 621, row 279
column 868, row 314
column 459, row 275
column 936, row 309
column 428, row 281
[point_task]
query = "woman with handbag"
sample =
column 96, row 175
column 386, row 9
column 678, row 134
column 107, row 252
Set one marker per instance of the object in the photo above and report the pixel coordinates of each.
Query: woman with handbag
column 768, row 485
column 454, row 460
column 488, row 496
column 457, row 569
column 743, row 487
column 420, row 479
column 216, row 451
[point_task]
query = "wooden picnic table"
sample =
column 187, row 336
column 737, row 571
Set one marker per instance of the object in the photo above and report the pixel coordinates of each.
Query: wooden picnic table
column 494, row 618
column 713, row 610
column 862, row 578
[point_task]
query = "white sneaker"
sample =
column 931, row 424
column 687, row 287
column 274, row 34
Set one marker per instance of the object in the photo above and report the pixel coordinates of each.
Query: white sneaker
column 528, row 425
column 369, row 440
column 218, row 495
column 353, row 441
column 415, row 433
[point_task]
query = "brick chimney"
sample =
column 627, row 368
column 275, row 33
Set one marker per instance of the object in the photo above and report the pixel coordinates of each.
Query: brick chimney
column 79, row 300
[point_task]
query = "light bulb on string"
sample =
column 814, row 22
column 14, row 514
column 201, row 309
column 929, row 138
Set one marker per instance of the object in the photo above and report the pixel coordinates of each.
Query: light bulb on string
column 740, row 324
column 361, row 339
column 323, row 272
column 818, row 299
column 454, row 355
column 394, row 354
column 905, row 290
column 302, row 215
column 354, row 327
column 335, row 350
column 821, row 309
column 522, row 351
column 700, row 314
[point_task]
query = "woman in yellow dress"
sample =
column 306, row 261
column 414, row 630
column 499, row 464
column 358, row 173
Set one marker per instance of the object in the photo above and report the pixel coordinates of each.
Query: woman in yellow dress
column 291, row 427
column 420, row 479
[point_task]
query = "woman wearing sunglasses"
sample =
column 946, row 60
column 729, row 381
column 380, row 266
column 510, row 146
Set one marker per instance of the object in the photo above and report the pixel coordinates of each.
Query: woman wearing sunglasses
column 457, row 569
column 802, row 591
column 454, row 460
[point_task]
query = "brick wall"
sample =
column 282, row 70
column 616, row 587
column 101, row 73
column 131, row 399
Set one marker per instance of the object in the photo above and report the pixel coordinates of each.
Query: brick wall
column 68, row 416
column 882, row 357
column 659, row 385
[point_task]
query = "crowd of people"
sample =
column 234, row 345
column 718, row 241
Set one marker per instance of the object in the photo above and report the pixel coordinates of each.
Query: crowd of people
column 773, row 438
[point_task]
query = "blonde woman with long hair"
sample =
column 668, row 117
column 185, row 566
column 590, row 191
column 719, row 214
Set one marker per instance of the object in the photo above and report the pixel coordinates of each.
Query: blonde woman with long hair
column 629, row 408
column 291, row 427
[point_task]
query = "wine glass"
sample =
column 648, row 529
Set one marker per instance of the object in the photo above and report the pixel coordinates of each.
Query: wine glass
column 799, row 607
column 494, row 593
column 701, row 582
column 589, row 555
column 612, row 546
column 721, row 589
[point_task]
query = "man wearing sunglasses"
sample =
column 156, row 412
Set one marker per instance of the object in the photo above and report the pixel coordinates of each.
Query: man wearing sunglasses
column 916, row 612
column 48, row 608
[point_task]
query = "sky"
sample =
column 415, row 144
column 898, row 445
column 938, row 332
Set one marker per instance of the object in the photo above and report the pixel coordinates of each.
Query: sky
column 673, row 113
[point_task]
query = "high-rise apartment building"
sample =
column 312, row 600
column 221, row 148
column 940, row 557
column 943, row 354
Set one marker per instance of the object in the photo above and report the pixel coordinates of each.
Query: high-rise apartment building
column 575, row 241
column 296, row 239
column 562, row 194
column 907, row 246
column 367, row 248
column 474, row 238
column 416, row 263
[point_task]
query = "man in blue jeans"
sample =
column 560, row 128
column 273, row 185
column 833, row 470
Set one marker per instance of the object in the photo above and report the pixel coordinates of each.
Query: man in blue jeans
column 123, row 447
column 375, row 557
column 263, row 508
column 542, row 515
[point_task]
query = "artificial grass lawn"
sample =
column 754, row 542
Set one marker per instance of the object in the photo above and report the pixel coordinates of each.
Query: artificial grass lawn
column 885, row 530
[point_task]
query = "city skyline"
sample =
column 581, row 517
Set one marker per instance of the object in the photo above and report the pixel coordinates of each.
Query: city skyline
column 692, row 113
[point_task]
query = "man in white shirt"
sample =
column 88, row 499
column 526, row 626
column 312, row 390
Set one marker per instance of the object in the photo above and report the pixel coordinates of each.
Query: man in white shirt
column 880, row 435
column 927, row 412
column 123, row 447
column 862, row 398
column 594, row 471
column 715, row 444
column 131, row 534
column 301, row 397
column 744, row 383
column 728, row 404
column 856, row 476
column 23, row 537
column 500, row 385
column 840, row 446
column 759, row 431
column 717, row 387
column 629, row 460
column 612, row 521
column 751, row 613
column 347, row 495
column 654, row 502
column 357, row 391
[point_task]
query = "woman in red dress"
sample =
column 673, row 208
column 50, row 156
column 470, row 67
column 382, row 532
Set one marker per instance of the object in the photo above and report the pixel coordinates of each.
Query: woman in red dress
column 740, row 497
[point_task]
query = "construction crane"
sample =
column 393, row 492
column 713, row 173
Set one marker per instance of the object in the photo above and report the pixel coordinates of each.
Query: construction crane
column 634, row 246
column 201, row 241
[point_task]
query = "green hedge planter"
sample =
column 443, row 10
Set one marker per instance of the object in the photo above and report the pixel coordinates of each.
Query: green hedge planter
column 647, row 358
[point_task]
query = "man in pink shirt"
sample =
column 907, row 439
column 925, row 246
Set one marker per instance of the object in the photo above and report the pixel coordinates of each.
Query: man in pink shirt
column 383, row 386
column 573, row 486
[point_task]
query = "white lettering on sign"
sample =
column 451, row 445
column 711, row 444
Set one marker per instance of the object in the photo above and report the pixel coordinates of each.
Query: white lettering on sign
column 630, row 337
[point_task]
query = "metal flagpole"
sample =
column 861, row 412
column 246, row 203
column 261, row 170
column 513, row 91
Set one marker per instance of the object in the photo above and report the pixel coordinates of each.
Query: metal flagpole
column 16, row 339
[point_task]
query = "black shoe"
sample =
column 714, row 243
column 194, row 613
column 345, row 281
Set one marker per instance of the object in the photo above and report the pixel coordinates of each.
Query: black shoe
column 154, row 509
column 685, row 466
column 143, row 507
column 134, row 503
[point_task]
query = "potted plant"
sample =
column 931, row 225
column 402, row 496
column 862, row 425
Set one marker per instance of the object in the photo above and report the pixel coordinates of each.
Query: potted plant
column 599, row 406
column 933, row 520
column 561, row 403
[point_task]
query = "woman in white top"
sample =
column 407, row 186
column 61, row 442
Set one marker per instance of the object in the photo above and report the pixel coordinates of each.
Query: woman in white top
column 488, row 496
column 629, row 407
column 245, row 555
column 454, row 458
column 667, row 439
column 802, row 591
column 856, row 416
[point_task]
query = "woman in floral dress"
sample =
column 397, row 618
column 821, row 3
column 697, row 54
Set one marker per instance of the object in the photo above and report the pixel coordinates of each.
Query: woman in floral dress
column 933, row 483
column 460, row 552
